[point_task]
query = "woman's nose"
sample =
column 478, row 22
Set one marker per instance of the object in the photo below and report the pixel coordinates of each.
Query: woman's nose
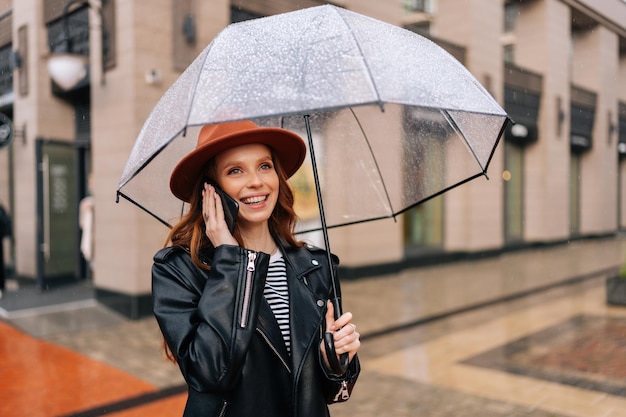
column 254, row 180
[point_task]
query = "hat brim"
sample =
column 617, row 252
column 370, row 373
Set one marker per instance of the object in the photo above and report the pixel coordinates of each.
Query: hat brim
column 288, row 147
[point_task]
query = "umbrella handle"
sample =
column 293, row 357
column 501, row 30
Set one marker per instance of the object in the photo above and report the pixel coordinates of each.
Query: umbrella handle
column 339, row 365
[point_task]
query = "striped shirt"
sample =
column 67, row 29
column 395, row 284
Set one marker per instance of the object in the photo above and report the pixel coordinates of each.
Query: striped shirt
column 277, row 295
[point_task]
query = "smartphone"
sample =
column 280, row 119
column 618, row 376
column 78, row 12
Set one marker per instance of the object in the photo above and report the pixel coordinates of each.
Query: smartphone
column 231, row 207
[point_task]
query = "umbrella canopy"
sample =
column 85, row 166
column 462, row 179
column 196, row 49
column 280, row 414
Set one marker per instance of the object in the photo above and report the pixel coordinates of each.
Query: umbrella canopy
column 394, row 119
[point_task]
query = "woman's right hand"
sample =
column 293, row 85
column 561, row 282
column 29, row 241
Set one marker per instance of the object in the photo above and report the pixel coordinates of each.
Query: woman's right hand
column 213, row 215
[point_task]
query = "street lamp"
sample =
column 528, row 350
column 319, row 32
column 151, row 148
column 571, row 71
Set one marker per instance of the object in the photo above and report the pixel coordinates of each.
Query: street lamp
column 65, row 66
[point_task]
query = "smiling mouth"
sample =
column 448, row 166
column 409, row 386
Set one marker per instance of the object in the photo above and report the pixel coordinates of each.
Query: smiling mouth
column 254, row 200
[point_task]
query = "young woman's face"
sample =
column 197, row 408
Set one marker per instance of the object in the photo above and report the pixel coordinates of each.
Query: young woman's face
column 247, row 174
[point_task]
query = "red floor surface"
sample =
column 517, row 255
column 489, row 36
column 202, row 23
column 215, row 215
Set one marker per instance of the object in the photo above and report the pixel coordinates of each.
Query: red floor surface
column 40, row 379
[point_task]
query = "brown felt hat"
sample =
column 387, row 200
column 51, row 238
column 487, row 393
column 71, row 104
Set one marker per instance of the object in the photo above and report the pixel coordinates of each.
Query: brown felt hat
column 213, row 139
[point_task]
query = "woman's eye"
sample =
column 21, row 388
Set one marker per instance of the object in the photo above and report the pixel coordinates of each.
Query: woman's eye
column 266, row 166
column 234, row 171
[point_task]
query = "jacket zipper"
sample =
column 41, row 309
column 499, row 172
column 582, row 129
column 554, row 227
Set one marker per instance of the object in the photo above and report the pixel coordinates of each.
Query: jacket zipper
column 222, row 412
column 343, row 393
column 274, row 350
column 247, row 289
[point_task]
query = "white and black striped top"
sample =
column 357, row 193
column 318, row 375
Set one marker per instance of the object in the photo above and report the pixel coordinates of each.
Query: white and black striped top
column 277, row 295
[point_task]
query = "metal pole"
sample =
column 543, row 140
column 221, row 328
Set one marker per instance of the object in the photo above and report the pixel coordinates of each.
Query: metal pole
column 320, row 204
column 340, row 365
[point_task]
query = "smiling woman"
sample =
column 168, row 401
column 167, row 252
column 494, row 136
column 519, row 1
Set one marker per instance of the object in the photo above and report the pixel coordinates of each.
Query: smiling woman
column 242, row 307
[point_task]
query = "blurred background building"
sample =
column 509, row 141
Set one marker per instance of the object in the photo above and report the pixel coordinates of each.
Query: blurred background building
column 558, row 67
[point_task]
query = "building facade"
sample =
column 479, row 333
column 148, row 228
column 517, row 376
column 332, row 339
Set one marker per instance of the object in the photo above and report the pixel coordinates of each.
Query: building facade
column 558, row 67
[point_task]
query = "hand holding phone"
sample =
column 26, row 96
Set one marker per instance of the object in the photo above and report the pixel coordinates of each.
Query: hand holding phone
column 231, row 207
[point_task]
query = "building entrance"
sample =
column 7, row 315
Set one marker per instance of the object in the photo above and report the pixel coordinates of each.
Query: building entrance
column 60, row 187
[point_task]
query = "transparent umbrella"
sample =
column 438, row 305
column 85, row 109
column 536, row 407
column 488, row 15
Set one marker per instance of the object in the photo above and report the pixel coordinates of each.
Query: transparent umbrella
column 391, row 118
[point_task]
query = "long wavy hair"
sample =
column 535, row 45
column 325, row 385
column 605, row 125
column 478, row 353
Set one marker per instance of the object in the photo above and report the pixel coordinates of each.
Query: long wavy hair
column 189, row 232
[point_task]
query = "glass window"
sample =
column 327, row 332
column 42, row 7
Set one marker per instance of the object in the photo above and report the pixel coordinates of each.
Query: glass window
column 424, row 224
column 574, row 194
column 424, row 6
column 509, row 53
column 513, row 177
column 239, row 15
column 6, row 73
column 510, row 15
column 621, row 194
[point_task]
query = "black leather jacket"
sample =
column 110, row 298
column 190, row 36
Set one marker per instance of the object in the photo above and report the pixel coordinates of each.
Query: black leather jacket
column 226, row 339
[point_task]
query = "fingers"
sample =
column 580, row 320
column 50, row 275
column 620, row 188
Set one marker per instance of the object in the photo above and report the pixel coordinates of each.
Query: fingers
column 209, row 203
column 213, row 215
column 344, row 332
column 330, row 316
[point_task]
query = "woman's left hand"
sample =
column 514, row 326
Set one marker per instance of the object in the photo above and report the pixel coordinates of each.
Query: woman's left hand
column 344, row 333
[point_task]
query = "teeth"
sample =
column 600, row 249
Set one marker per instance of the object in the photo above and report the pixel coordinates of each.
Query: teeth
column 253, row 200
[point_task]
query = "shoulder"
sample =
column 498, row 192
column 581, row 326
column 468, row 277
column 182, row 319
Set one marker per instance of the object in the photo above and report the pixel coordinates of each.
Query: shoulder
column 171, row 253
column 174, row 265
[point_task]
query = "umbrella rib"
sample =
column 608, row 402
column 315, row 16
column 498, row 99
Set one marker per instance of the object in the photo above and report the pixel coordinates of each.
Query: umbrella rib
column 195, row 84
column 495, row 146
column 314, row 229
column 371, row 151
column 457, row 129
column 358, row 45
column 141, row 206
column 394, row 214
column 154, row 155
column 443, row 191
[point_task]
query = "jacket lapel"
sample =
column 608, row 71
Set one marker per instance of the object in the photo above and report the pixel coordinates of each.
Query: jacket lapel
column 308, row 292
column 306, row 306
column 268, row 326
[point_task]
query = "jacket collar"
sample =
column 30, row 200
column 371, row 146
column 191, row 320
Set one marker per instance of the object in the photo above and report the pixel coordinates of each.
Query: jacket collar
column 300, row 260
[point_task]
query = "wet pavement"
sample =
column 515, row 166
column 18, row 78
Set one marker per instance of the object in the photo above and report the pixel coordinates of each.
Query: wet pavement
column 554, row 351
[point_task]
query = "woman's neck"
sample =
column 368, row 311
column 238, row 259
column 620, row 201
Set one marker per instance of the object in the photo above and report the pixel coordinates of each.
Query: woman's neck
column 259, row 239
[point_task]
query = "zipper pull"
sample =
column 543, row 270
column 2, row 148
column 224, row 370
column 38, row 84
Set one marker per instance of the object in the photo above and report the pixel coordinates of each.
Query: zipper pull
column 343, row 392
column 251, row 259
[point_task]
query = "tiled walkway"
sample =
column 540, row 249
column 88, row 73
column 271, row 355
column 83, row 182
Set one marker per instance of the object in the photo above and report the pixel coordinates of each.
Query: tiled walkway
column 558, row 351
column 42, row 379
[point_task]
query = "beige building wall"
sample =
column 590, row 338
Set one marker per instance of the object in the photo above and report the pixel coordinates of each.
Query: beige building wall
column 594, row 67
column 621, row 86
column 4, row 152
column 45, row 117
column 542, row 45
column 474, row 212
column 127, row 236
column 124, row 243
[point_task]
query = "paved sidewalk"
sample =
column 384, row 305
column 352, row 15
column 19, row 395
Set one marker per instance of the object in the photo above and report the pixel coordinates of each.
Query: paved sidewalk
column 424, row 351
